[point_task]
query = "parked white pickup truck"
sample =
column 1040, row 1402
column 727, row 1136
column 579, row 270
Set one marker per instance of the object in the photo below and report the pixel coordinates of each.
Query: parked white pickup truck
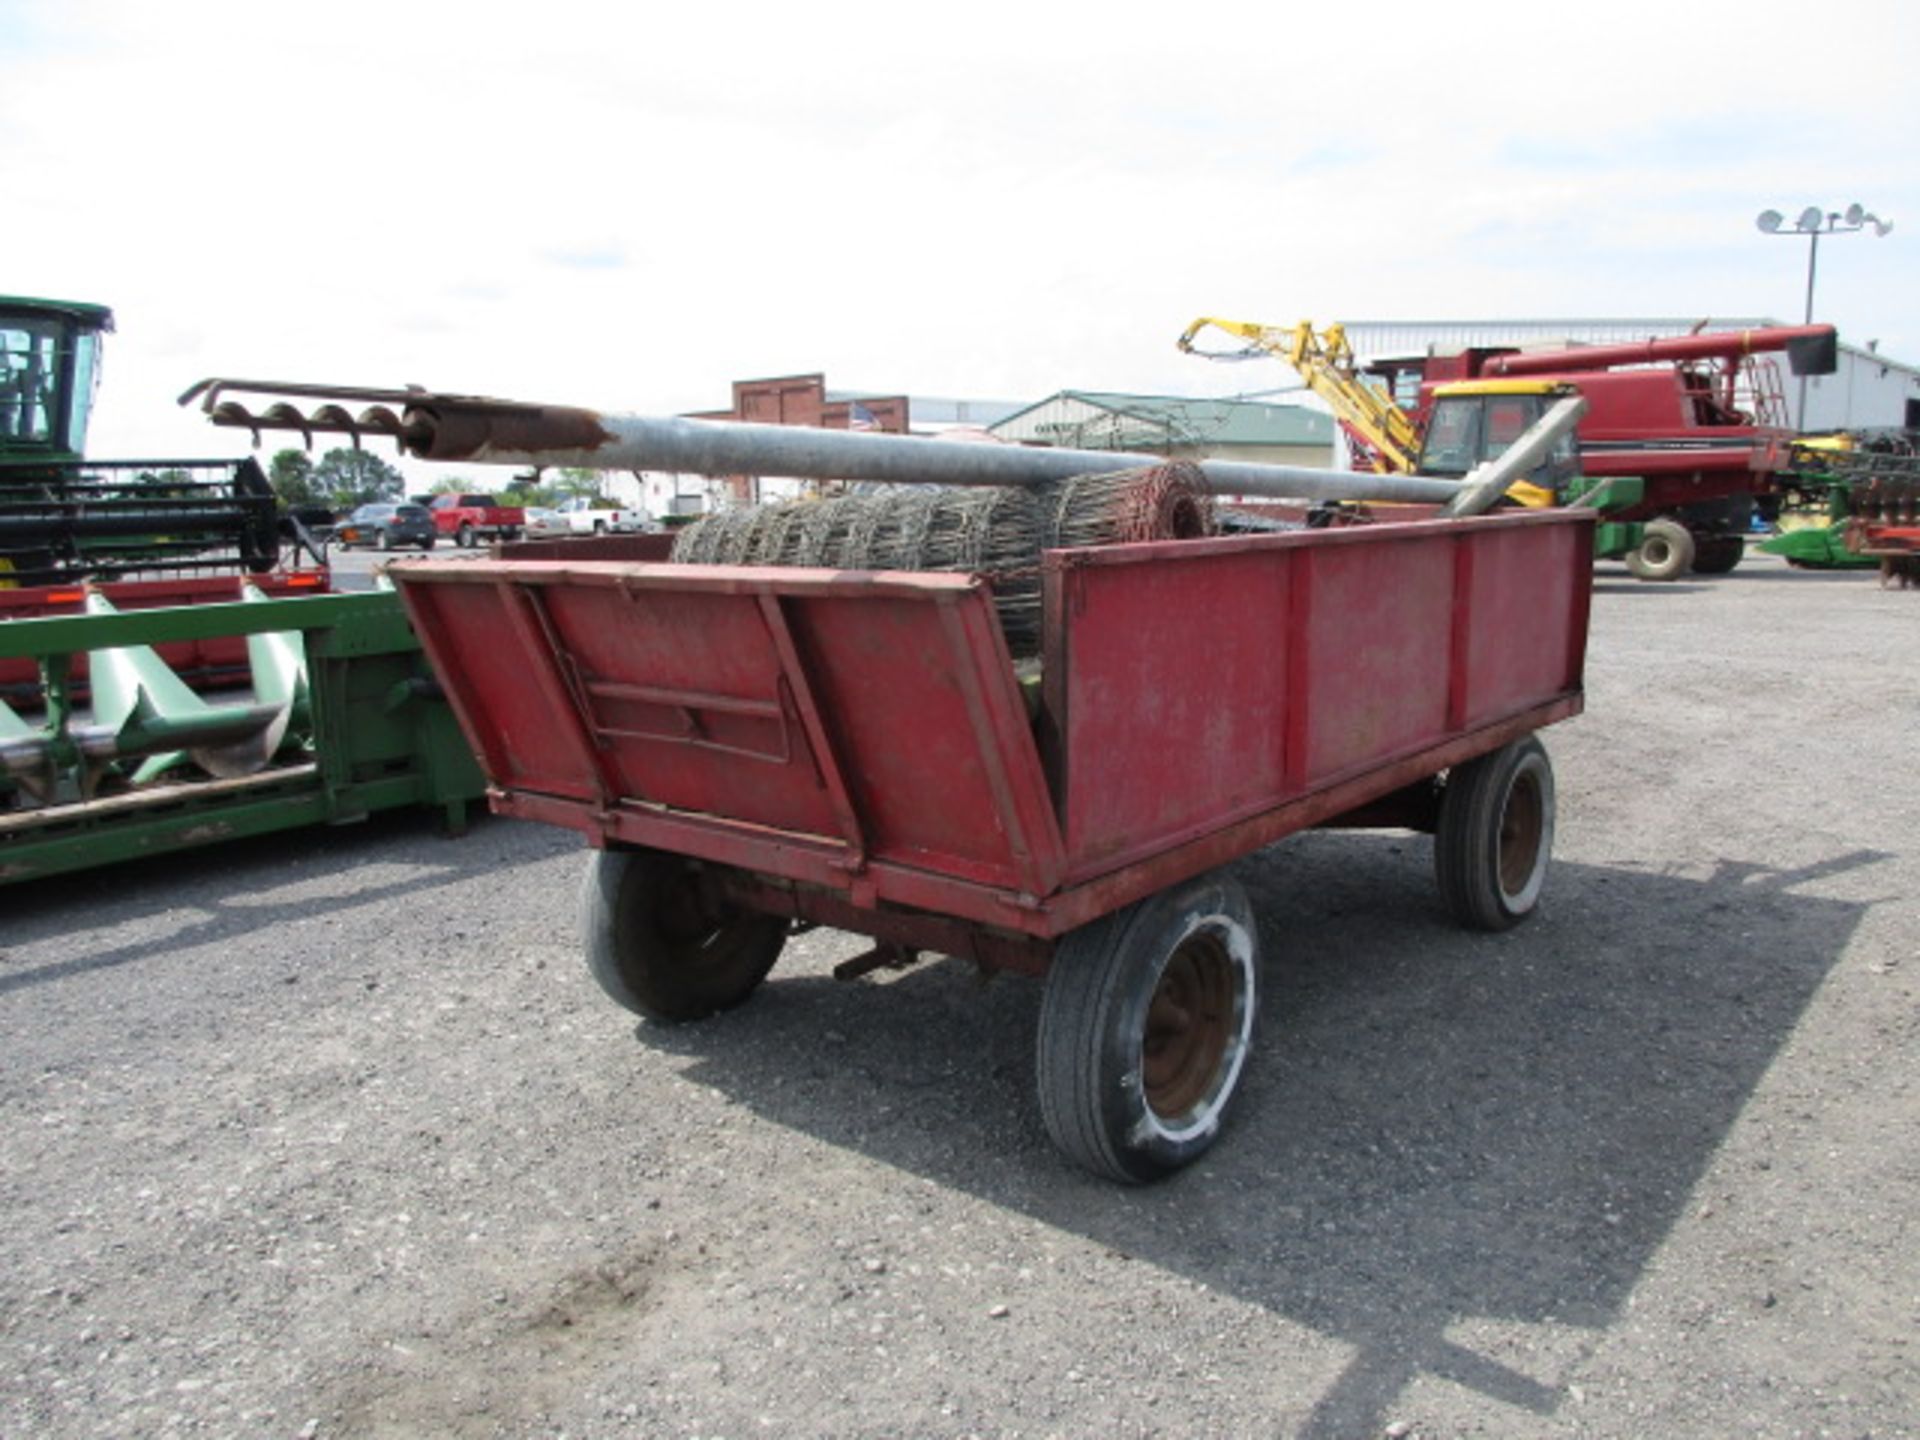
column 587, row 516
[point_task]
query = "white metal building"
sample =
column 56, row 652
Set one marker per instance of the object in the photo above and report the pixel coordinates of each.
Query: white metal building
column 1180, row 427
column 1867, row 391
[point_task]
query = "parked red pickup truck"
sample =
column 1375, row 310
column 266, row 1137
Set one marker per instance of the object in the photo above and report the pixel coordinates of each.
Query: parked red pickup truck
column 472, row 518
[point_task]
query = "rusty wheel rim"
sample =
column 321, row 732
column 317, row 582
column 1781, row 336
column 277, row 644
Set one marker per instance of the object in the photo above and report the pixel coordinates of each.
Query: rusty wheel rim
column 1522, row 825
column 1191, row 1026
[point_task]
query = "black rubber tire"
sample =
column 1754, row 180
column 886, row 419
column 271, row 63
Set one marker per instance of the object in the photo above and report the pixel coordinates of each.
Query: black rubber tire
column 463, row 537
column 1717, row 554
column 1494, row 841
column 427, row 544
column 655, row 948
column 1665, row 552
column 1114, row 1102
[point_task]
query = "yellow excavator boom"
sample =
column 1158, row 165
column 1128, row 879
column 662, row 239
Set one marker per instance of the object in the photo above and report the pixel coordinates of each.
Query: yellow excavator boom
column 1325, row 361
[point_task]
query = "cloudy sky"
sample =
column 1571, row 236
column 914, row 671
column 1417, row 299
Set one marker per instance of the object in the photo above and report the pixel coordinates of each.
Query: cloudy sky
column 629, row 206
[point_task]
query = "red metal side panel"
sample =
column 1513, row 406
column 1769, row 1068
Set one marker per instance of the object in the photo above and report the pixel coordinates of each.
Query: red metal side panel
column 687, row 696
column 1196, row 685
column 912, row 708
column 480, row 640
column 1369, row 677
column 1526, row 627
column 1175, row 679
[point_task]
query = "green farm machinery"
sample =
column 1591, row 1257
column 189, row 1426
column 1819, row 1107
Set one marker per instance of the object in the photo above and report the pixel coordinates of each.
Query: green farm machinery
column 170, row 676
column 1848, row 498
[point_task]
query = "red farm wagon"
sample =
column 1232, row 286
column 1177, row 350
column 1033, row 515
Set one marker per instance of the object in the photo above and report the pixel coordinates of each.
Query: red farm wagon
column 746, row 748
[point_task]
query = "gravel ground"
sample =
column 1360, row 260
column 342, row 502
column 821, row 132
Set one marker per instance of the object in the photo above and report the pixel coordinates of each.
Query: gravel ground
column 332, row 1135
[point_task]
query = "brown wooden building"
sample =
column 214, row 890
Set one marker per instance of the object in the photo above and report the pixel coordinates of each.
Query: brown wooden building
column 803, row 400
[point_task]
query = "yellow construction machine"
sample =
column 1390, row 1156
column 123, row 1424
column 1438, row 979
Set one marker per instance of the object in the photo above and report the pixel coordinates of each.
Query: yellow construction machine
column 1472, row 420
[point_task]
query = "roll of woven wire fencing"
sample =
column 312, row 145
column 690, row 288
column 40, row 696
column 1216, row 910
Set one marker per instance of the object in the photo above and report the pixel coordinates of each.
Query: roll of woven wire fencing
column 996, row 532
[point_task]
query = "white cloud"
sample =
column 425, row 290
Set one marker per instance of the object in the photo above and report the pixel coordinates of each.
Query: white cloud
column 631, row 207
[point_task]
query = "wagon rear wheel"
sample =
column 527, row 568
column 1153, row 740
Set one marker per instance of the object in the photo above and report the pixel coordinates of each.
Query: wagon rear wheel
column 1495, row 835
column 1146, row 1028
column 660, row 944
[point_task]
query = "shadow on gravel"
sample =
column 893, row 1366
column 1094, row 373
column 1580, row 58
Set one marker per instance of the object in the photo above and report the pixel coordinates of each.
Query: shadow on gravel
column 1627, row 585
column 222, row 880
column 1794, row 575
column 1745, row 575
column 1440, row 1127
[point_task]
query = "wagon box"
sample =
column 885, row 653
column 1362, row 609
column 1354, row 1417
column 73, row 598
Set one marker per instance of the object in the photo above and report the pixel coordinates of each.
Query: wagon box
column 748, row 747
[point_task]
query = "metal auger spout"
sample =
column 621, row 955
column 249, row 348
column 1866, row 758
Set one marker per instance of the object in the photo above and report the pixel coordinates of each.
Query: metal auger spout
column 140, row 707
column 475, row 430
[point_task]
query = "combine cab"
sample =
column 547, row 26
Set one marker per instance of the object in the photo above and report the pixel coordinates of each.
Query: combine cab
column 64, row 518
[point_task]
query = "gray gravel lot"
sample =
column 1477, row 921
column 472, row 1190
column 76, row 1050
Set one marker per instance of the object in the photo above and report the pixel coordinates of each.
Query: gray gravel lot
column 331, row 1135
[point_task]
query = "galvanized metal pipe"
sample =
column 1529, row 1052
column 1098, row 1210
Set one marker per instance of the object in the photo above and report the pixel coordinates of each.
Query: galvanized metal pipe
column 708, row 447
column 1482, row 489
column 466, row 429
column 1714, row 345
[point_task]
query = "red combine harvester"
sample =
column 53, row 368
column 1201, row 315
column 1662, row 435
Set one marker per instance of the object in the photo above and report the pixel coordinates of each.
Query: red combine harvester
column 1680, row 436
column 1695, row 424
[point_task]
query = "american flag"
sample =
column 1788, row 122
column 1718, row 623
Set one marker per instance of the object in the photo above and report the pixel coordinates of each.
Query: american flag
column 859, row 417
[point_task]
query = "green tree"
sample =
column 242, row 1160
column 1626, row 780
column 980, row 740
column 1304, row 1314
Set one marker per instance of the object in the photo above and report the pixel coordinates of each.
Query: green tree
column 530, row 487
column 345, row 478
column 290, row 472
column 573, row 481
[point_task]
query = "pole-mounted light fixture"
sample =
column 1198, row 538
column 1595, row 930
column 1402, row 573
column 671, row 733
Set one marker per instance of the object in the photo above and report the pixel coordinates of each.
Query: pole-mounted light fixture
column 1813, row 222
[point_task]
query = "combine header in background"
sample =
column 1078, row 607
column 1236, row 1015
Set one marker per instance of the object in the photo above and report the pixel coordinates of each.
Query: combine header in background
column 107, row 753
column 1867, row 487
column 1681, row 435
column 164, row 680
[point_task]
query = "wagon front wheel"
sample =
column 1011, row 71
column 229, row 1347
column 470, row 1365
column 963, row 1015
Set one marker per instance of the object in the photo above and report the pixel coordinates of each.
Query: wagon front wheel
column 661, row 944
column 1495, row 835
column 1146, row 1027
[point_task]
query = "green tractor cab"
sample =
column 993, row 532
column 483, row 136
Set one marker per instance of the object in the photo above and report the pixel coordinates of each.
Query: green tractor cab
column 65, row 518
column 49, row 370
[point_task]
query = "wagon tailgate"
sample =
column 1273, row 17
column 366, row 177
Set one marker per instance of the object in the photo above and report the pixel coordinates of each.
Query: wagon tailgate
column 807, row 723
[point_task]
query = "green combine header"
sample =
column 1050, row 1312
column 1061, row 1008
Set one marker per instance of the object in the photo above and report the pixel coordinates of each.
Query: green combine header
column 170, row 674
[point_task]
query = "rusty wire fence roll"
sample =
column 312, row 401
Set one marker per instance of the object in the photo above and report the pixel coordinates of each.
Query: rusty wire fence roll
column 995, row 532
